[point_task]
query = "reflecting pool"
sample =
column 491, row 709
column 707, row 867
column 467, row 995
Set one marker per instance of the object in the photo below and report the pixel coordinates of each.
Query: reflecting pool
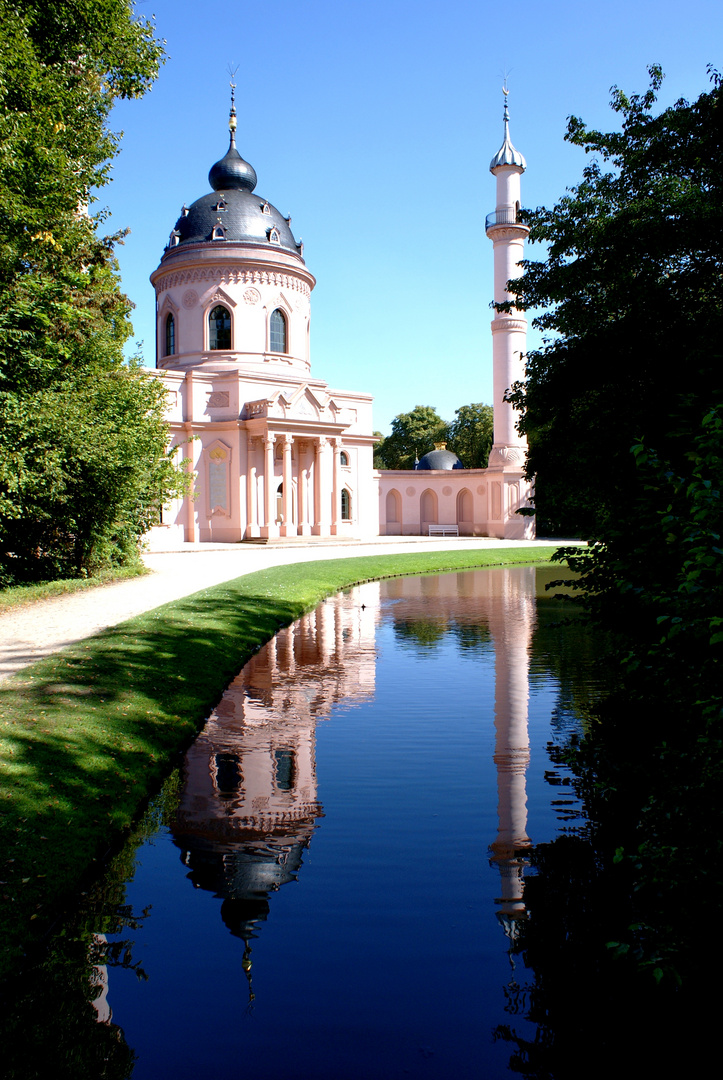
column 331, row 885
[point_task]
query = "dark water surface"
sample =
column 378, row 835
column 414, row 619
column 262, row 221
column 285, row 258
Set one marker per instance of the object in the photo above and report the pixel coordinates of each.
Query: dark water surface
column 337, row 875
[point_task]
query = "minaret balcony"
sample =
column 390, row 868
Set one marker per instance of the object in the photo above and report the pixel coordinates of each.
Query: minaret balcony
column 507, row 215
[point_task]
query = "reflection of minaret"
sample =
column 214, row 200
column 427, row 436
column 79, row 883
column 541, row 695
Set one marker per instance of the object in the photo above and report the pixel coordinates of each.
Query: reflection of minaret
column 511, row 625
column 248, row 807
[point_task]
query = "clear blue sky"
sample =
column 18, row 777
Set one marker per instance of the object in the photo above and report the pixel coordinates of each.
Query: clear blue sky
column 373, row 124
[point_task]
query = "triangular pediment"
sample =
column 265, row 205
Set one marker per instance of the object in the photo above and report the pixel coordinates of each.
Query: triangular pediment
column 220, row 296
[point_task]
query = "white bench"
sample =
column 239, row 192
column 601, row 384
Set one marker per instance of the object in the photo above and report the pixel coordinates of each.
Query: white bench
column 444, row 530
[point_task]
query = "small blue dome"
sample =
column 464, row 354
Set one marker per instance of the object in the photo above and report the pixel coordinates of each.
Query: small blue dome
column 439, row 459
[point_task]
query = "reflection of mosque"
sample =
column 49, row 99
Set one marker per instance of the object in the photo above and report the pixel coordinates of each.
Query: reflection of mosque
column 249, row 805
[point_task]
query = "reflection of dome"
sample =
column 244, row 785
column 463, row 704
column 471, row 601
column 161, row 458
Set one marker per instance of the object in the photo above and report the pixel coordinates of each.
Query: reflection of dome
column 243, row 874
column 439, row 459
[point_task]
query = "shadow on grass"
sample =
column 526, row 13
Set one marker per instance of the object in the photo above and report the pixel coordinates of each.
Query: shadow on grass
column 91, row 731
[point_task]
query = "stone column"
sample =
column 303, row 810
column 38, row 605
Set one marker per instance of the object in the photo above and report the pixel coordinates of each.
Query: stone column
column 321, row 491
column 190, row 528
column 270, row 528
column 288, row 528
column 252, row 524
column 336, row 489
column 304, row 529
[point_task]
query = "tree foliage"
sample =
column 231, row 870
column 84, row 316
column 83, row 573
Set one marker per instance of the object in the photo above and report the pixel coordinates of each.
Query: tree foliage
column 623, row 408
column 82, row 439
column 470, row 435
column 415, row 433
column 631, row 297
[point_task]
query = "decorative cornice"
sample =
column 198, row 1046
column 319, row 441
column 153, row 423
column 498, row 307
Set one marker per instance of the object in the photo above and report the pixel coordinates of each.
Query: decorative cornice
column 230, row 275
column 507, row 232
column 507, row 455
column 505, row 323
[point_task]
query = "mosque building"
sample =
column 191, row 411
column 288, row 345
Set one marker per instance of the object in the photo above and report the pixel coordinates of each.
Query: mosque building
column 276, row 452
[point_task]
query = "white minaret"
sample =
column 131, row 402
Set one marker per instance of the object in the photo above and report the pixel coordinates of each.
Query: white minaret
column 509, row 336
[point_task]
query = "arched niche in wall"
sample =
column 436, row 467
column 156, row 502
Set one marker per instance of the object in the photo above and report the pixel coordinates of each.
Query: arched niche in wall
column 428, row 508
column 393, row 507
column 465, row 506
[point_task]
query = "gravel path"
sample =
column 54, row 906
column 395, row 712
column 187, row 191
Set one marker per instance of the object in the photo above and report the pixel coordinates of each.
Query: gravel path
column 34, row 631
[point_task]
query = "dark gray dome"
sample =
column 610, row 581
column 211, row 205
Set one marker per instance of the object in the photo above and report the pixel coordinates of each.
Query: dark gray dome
column 242, row 216
column 232, row 172
column 232, row 212
column 439, row 459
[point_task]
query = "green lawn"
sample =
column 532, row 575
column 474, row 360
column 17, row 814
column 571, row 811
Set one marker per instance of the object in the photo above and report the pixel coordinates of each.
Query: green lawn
column 19, row 595
column 88, row 734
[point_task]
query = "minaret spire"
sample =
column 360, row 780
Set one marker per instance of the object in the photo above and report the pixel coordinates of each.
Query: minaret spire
column 232, row 171
column 232, row 122
column 507, row 155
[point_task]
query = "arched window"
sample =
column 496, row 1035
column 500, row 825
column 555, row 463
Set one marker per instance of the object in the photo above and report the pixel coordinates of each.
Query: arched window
column 170, row 335
column 345, row 505
column 343, row 458
column 219, row 328
column 277, row 327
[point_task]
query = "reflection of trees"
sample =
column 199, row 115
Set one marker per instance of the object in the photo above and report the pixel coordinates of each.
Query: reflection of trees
column 57, row 1021
column 420, row 633
column 594, row 1012
column 428, row 633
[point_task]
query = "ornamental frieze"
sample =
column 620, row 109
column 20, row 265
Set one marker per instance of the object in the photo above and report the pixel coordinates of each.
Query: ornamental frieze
column 230, row 276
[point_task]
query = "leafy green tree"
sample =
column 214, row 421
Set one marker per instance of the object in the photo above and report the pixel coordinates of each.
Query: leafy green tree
column 623, row 408
column 631, row 294
column 413, row 434
column 80, row 468
column 470, row 435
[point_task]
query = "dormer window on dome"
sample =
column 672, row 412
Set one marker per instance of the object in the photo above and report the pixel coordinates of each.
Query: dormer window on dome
column 274, row 235
column 221, row 204
column 219, row 328
column 174, row 239
column 219, row 233
column 266, row 209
